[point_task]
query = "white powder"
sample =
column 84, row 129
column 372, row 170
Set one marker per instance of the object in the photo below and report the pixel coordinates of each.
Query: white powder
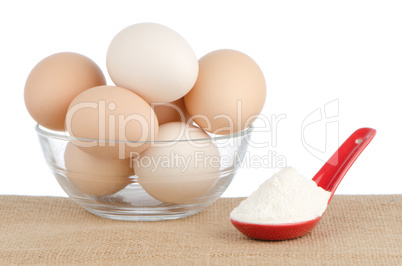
column 286, row 197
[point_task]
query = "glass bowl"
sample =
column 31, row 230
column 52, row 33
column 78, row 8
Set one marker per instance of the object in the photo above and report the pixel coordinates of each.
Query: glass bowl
column 187, row 193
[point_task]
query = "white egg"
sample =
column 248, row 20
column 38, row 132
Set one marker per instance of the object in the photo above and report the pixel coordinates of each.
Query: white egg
column 178, row 171
column 152, row 60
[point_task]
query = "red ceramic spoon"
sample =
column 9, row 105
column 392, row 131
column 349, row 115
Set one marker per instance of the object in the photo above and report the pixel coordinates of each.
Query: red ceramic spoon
column 329, row 177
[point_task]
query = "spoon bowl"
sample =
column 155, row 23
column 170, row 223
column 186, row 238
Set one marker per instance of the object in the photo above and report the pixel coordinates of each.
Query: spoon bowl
column 328, row 178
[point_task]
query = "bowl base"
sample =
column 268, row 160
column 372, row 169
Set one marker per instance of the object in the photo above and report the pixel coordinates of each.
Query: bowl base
column 134, row 204
column 140, row 217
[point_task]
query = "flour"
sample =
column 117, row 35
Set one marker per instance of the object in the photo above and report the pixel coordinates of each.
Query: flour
column 286, row 197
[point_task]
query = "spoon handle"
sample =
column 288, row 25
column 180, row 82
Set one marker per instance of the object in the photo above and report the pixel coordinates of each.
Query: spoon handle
column 331, row 174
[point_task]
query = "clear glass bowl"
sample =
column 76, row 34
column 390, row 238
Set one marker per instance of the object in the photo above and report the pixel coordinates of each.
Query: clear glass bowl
column 133, row 202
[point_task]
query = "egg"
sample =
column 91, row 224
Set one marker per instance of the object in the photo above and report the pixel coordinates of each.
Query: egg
column 171, row 112
column 94, row 175
column 181, row 170
column 229, row 93
column 112, row 121
column 54, row 82
column 152, row 60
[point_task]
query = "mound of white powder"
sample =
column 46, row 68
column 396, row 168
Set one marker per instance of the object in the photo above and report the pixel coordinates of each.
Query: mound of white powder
column 286, row 197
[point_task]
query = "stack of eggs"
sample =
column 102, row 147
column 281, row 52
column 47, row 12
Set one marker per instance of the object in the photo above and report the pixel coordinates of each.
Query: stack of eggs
column 162, row 99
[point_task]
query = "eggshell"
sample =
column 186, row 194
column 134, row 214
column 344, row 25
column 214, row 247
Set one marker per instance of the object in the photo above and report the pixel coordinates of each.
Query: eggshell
column 111, row 121
column 181, row 170
column 95, row 175
column 152, row 60
column 54, row 82
column 171, row 112
column 229, row 93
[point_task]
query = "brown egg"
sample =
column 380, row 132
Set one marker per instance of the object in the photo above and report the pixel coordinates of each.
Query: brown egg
column 54, row 82
column 229, row 92
column 171, row 112
column 111, row 121
column 181, row 170
column 94, row 175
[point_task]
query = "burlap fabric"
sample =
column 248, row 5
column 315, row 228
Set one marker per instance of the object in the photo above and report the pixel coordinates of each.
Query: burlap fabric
column 364, row 230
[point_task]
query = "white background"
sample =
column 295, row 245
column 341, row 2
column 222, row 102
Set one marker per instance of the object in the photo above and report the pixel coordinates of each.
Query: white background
column 347, row 54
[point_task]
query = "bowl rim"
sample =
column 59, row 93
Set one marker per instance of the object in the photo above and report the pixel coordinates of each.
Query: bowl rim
column 63, row 135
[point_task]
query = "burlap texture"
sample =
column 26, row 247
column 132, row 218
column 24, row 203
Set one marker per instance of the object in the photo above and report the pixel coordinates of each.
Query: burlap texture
column 364, row 230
